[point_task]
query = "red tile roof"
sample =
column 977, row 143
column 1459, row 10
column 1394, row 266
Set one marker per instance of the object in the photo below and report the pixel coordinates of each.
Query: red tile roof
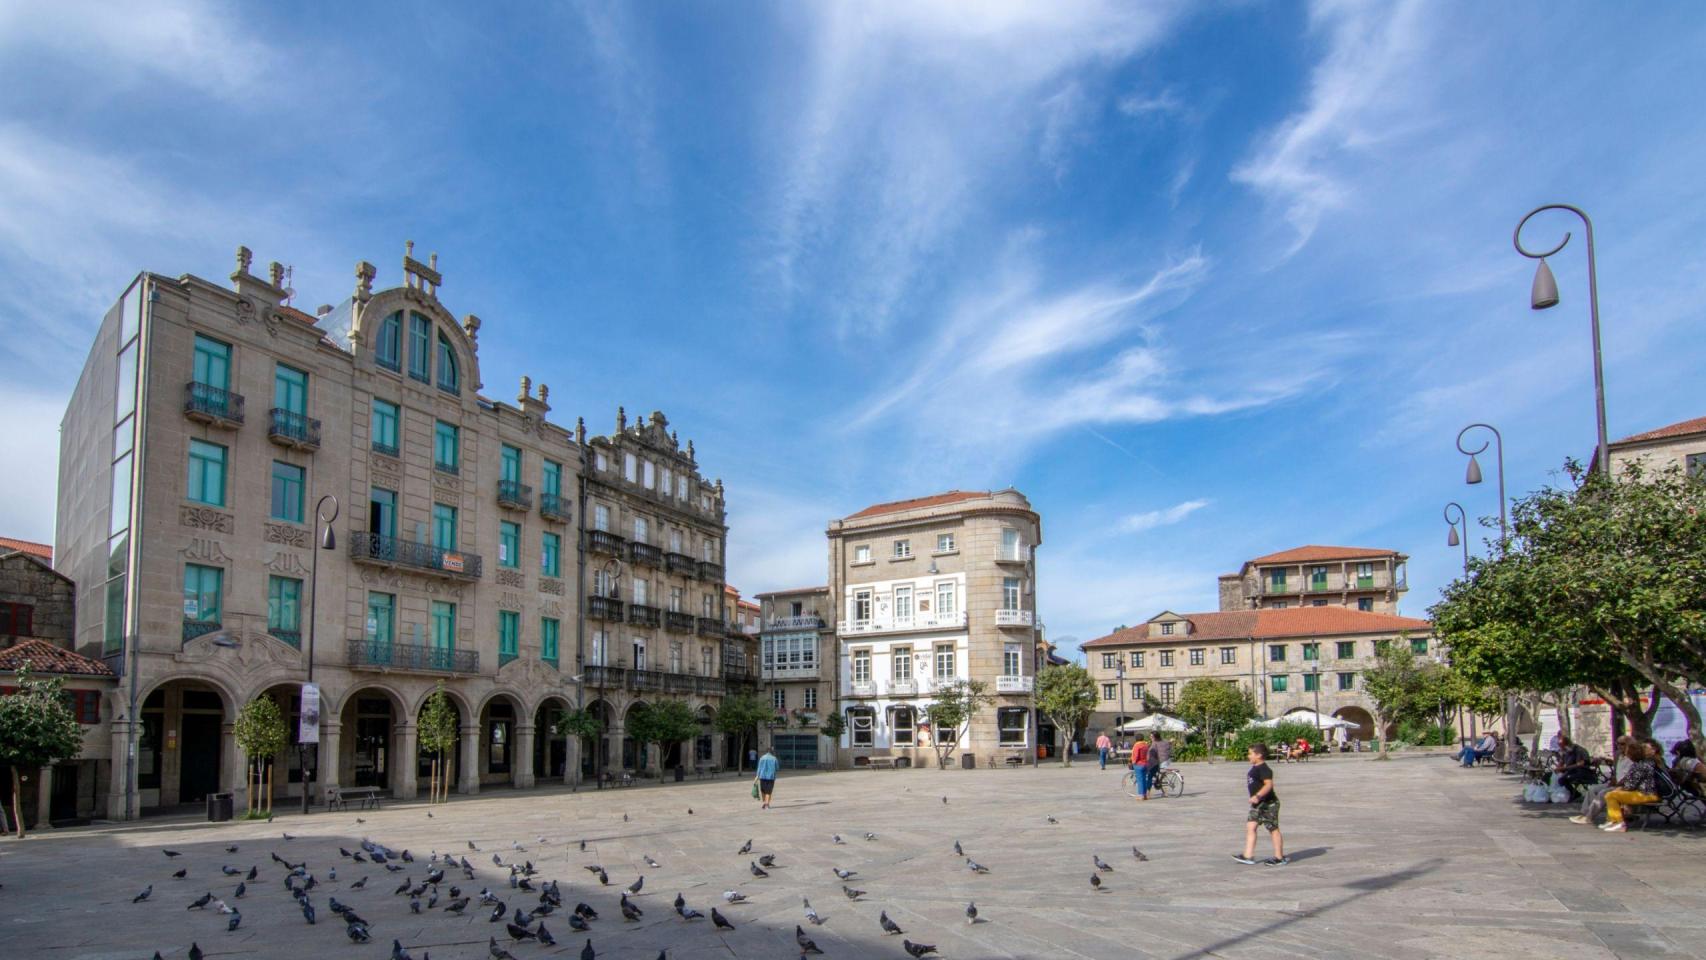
column 935, row 500
column 42, row 550
column 1313, row 552
column 1269, row 624
column 44, row 657
column 1686, row 427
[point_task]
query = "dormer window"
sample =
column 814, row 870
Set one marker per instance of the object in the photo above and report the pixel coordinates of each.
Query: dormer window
column 388, row 345
column 420, row 347
column 1166, row 629
column 449, row 376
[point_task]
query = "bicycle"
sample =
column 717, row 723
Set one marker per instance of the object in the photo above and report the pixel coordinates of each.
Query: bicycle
column 1168, row 782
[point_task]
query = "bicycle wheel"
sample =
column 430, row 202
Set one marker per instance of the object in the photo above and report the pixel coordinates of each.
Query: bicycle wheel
column 1128, row 783
column 1173, row 783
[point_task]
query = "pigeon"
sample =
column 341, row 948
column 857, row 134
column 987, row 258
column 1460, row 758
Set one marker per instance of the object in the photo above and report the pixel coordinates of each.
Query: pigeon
column 1051, row 820
column 171, row 854
column 253, row 873
column 407, row 857
column 180, row 874
column 583, row 844
column 356, row 932
column 944, row 801
column 289, row 837
column 971, row 913
column 523, row 919
column 394, row 867
column 358, row 884
column 520, row 933
column 624, row 818
column 202, row 901
column 679, row 901
column 917, row 949
column 472, row 847
column 358, row 858
column 497, row 952
column 975, row 867
column 1139, row 855
column 414, row 904
column 1101, row 864
column 195, row 951
column 517, row 847
column 586, row 951
column 835, row 839
column 404, row 888
column 957, row 851
column 768, row 860
column 805, row 942
column 720, row 921
column 583, row 910
column 242, row 888
column 220, row 906
column 236, row 918
column 229, row 870
column 578, row 924
column 498, row 913
column 637, row 884
column 603, row 878
column 231, row 849
column 733, row 896
column 745, row 848
column 307, row 911
column 757, row 870
column 1095, row 881
column 496, row 862
column 870, row 836
column 652, row 863
column 852, row 894
column 397, row 951
column 332, row 874
column 690, row 811
column 811, row 914
column 688, row 913
column 630, row 912
column 844, row 874
column 889, row 926
column 432, row 901
column 147, row 892
column 545, row 937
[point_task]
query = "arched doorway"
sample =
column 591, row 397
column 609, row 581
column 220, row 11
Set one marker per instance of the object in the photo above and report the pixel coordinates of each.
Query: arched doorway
column 499, row 765
column 449, row 762
column 1364, row 729
column 633, row 752
column 595, row 750
column 286, row 773
column 550, row 750
column 705, row 745
column 180, row 750
column 367, row 747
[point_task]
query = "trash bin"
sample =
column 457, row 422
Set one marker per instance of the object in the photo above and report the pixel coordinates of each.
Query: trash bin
column 968, row 761
column 680, row 774
column 219, row 807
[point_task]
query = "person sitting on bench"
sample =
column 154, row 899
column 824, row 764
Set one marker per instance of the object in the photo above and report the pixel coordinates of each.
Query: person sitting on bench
column 1573, row 767
column 1593, row 795
column 1474, row 753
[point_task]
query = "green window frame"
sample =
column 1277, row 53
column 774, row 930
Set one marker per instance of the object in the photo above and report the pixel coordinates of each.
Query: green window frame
column 1276, row 653
column 420, row 348
column 381, row 617
column 509, row 544
column 383, row 426
column 509, row 462
column 1419, row 646
column 449, row 374
column 1312, row 651
column 1311, row 682
column 443, row 625
column 284, row 609
column 289, row 482
column 206, row 483
column 204, row 589
column 1277, row 579
column 549, row 632
column 550, row 555
column 447, row 447
column 1278, row 682
column 212, row 365
column 509, row 636
column 290, row 389
column 553, row 478
column 388, row 346
column 1347, row 681
column 382, row 512
column 1347, row 649
column 443, row 526
column 1318, row 578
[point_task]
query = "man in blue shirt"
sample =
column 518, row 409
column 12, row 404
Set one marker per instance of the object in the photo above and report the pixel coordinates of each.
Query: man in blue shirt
column 766, row 778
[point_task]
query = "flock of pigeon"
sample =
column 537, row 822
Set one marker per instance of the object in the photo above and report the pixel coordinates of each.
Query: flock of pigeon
column 442, row 889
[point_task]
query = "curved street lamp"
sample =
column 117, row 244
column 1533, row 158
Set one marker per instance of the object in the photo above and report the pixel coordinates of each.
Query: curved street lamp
column 327, row 541
column 1473, row 474
column 1454, row 539
column 1544, row 295
column 611, row 573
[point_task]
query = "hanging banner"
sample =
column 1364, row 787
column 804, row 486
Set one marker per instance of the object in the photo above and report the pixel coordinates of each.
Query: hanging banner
column 309, row 730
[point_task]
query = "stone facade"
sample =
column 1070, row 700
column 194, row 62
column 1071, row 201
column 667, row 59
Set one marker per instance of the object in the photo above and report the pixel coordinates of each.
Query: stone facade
column 216, row 434
column 797, row 663
column 1360, row 578
column 33, row 594
column 926, row 592
column 1677, row 445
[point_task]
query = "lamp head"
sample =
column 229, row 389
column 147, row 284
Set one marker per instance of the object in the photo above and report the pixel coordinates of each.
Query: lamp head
column 1452, row 540
column 1474, row 473
column 328, row 540
column 1545, row 291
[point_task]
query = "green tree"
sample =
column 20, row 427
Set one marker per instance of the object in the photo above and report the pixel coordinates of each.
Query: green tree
column 663, row 723
column 37, row 729
column 1215, row 707
column 1066, row 695
column 1397, row 685
column 952, row 712
column 832, row 725
column 261, row 734
column 739, row 717
column 437, row 735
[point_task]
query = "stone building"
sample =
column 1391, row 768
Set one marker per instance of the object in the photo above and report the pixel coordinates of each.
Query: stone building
column 797, row 661
column 448, row 530
column 1679, row 444
column 926, row 592
column 1288, row 659
column 36, row 601
column 1360, row 578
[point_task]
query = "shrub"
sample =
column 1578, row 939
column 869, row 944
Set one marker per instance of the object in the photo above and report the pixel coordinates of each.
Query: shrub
column 1241, row 741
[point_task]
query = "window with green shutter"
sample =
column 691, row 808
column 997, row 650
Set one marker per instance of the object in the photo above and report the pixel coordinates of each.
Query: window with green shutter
column 207, row 473
column 553, row 478
column 548, row 635
column 290, row 390
column 509, row 544
column 509, row 636
column 509, row 462
column 203, row 589
column 443, row 625
column 1311, row 682
column 381, row 617
column 1347, row 649
column 287, row 491
column 212, row 363
column 384, row 427
column 446, row 447
column 1279, row 680
column 443, row 526
column 284, row 609
column 550, row 561
column 1419, row 646
column 1312, row 651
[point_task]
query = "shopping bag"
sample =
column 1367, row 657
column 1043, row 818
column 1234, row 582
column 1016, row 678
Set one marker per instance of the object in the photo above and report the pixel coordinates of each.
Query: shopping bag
column 755, row 789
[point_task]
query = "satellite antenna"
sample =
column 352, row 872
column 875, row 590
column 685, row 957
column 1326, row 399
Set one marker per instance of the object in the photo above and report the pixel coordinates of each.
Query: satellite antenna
column 289, row 291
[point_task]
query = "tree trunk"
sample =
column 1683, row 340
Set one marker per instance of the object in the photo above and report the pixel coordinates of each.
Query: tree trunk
column 18, row 801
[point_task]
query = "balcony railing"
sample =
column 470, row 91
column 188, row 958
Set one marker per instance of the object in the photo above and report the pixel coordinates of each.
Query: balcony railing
column 601, row 541
column 292, row 637
column 604, row 608
column 386, row 655
column 712, row 627
column 643, row 615
column 645, row 679
column 645, row 553
column 709, row 686
column 903, row 688
column 678, row 622
column 388, row 449
column 867, row 688
column 791, row 672
column 1013, row 618
column 197, row 628
column 810, row 621
column 1004, row 555
column 603, row 676
column 205, row 403
column 515, row 495
column 1014, row 684
column 376, row 548
column 921, row 621
column 553, row 507
column 681, row 563
column 712, row 572
column 287, row 428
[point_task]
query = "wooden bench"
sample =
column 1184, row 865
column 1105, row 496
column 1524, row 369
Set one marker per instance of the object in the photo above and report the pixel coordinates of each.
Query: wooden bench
column 704, row 770
column 625, row 780
column 338, row 798
column 880, row 763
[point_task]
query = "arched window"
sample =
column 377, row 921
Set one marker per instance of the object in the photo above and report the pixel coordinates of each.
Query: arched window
column 448, row 379
column 903, row 721
column 861, row 722
column 388, row 345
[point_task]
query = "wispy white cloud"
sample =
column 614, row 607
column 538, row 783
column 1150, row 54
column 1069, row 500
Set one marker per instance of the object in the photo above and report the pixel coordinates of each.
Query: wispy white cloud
column 1147, row 103
column 628, row 88
column 1166, row 517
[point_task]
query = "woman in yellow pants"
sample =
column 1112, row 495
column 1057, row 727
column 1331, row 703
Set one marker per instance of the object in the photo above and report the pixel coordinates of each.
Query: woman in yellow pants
column 1639, row 786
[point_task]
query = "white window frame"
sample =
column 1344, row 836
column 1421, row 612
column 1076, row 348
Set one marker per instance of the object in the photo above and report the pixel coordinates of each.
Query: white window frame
column 809, row 698
column 902, row 549
column 947, row 599
column 1010, row 592
column 901, row 668
column 864, row 599
column 675, row 599
column 642, row 530
column 862, row 665
column 861, row 726
column 1137, row 659
column 666, row 481
column 601, row 518
column 630, row 467
column 1166, row 629
column 862, row 553
column 1024, row 727
column 945, row 543
column 1012, row 660
column 903, row 604
column 1012, row 547
column 779, row 699
column 600, row 461
column 642, row 591
column 600, row 648
column 1110, row 661
column 639, row 650
column 903, row 735
column 675, row 541
column 945, row 652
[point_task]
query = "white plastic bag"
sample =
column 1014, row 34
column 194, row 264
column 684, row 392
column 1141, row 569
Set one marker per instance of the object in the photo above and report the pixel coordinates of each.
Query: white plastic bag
column 1536, row 793
column 1559, row 795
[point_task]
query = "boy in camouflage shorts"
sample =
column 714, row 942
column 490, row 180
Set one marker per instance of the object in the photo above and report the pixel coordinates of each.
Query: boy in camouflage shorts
column 1264, row 809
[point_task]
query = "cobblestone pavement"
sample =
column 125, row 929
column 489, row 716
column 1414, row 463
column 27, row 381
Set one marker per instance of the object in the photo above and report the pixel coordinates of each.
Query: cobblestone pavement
column 1410, row 859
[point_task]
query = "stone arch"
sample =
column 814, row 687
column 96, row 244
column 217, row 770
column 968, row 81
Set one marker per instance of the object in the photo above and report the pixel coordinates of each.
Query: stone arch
column 501, row 717
column 370, row 737
column 185, row 749
column 226, row 691
column 390, row 301
column 550, row 752
column 451, row 763
column 460, row 702
column 1364, row 729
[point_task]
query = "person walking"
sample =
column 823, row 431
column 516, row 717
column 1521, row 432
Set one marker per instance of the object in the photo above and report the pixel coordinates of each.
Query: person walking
column 1264, row 808
column 1140, row 767
column 1103, row 745
column 766, row 778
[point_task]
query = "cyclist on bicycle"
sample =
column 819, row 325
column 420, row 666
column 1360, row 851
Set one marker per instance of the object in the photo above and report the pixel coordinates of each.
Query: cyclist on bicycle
column 1159, row 752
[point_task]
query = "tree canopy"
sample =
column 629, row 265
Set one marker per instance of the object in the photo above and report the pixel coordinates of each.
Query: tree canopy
column 952, row 712
column 663, row 723
column 37, row 729
column 739, row 716
column 1215, row 707
column 1066, row 695
column 260, row 729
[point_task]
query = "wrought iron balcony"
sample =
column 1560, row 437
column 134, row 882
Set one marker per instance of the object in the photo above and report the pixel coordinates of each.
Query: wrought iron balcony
column 678, row 622
column 515, row 495
column 197, row 628
column 1013, row 618
column 1014, row 684
column 645, row 679
column 712, row 572
column 681, row 563
column 388, row 449
column 604, row 608
column 676, row 682
column 367, row 654
column 288, row 428
column 205, row 403
column 709, row 686
column 643, row 615
column 645, row 553
column 378, row 549
column 603, row 676
column 712, row 627
column 553, row 507
column 600, row 541
column 810, row 621
column 292, row 637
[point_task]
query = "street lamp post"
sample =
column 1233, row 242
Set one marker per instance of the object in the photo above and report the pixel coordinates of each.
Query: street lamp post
column 611, row 574
column 1454, row 539
column 1119, row 679
column 1315, row 671
column 327, row 541
column 1544, row 294
column 1472, row 475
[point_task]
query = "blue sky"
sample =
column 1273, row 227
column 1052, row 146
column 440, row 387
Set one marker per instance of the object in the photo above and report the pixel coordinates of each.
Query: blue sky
column 1204, row 280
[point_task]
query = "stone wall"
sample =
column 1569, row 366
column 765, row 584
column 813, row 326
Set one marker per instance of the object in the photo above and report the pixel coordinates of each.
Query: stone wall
column 25, row 580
